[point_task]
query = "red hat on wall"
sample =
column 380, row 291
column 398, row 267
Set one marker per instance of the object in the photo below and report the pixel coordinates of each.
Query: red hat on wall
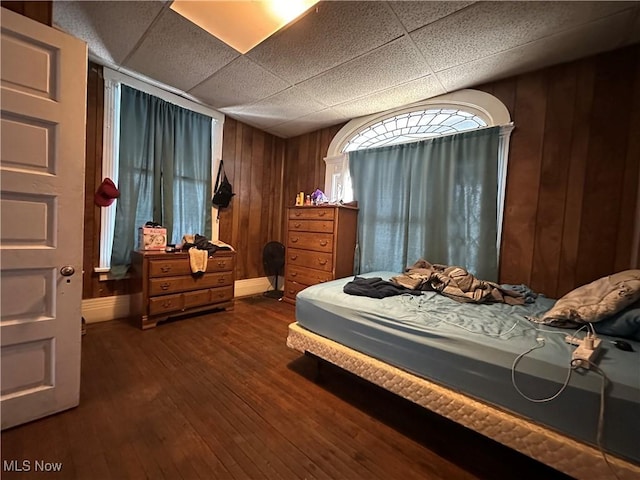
column 106, row 193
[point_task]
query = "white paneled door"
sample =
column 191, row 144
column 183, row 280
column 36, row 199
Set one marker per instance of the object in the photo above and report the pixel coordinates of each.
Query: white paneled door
column 43, row 103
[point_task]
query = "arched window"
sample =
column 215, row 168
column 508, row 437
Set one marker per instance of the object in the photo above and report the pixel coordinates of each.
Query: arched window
column 414, row 125
column 444, row 115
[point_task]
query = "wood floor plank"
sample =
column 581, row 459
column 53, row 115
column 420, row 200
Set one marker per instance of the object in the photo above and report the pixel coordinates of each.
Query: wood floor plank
column 220, row 396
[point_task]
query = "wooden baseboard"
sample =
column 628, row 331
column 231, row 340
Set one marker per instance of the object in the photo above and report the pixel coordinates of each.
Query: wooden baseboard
column 103, row 309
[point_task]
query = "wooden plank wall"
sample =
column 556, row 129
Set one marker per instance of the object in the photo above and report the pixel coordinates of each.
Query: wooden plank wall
column 40, row 11
column 93, row 177
column 92, row 286
column 304, row 163
column 253, row 162
column 572, row 187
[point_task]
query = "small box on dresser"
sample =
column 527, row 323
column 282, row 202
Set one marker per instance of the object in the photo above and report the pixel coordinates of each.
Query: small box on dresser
column 320, row 246
column 167, row 287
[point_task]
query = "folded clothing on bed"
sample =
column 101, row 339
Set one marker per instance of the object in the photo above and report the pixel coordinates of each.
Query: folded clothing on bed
column 456, row 283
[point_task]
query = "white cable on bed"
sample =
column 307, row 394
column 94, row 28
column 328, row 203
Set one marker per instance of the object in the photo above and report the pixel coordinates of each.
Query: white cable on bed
column 573, row 364
column 600, row 430
column 540, row 344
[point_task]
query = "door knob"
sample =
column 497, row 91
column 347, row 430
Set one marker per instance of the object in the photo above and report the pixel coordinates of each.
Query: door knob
column 67, row 271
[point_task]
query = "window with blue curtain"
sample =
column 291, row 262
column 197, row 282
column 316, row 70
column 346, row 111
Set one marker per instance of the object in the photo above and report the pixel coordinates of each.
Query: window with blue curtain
column 434, row 199
column 164, row 172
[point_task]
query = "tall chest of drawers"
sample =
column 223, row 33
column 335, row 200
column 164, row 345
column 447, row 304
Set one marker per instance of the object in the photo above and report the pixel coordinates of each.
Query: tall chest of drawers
column 320, row 246
column 168, row 288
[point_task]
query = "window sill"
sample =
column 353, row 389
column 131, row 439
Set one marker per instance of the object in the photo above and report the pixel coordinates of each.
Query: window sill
column 104, row 274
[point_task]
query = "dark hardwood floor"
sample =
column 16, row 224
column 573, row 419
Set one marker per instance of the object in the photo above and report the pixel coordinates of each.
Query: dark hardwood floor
column 221, row 396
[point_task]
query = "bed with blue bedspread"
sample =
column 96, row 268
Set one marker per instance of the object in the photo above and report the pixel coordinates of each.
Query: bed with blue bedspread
column 487, row 366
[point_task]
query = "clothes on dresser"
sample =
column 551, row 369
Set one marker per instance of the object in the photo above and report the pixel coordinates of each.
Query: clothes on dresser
column 200, row 248
column 202, row 243
column 198, row 260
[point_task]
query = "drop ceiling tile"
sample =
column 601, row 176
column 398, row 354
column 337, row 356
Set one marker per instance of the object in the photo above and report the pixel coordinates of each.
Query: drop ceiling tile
column 579, row 42
column 282, row 107
column 486, row 28
column 179, row 53
column 414, row 91
column 239, row 82
column 94, row 23
column 395, row 63
column 308, row 123
column 414, row 15
column 322, row 39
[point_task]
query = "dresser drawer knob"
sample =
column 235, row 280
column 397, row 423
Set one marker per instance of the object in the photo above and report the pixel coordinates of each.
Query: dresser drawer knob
column 165, row 268
column 222, row 263
column 221, row 280
column 297, row 225
column 322, row 261
column 297, row 214
column 294, row 257
column 165, row 286
column 294, row 240
column 322, row 213
column 167, row 304
column 294, row 274
column 323, row 243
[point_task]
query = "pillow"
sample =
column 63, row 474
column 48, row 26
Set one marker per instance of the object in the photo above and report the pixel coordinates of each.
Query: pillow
column 625, row 324
column 595, row 301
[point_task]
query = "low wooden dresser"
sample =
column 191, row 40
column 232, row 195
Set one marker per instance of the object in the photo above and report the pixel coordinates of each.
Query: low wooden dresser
column 168, row 288
column 320, row 246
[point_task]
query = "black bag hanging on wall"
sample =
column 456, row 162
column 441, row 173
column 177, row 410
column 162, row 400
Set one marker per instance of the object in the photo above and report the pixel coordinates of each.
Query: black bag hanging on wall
column 223, row 191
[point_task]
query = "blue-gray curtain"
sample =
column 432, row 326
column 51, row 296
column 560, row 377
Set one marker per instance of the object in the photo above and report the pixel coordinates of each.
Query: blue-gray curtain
column 164, row 172
column 434, row 199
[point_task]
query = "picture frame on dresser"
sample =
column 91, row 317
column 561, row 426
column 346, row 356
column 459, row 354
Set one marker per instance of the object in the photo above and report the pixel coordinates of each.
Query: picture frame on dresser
column 320, row 243
column 166, row 287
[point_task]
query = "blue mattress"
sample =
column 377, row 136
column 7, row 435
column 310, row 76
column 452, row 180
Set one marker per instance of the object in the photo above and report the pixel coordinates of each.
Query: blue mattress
column 471, row 349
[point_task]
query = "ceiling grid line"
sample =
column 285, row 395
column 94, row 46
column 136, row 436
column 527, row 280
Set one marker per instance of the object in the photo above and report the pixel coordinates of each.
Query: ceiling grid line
column 346, row 59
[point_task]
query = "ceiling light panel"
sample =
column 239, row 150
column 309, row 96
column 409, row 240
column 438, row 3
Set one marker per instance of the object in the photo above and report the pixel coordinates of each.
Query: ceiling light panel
column 242, row 24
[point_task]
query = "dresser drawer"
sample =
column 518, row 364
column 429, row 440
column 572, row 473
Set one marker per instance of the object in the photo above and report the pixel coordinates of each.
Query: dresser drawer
column 292, row 288
column 220, row 263
column 196, row 298
column 312, row 213
column 166, row 285
column 210, row 296
column 219, row 295
column 319, row 242
column 311, row 259
column 171, row 267
column 323, row 226
column 165, row 304
column 307, row 276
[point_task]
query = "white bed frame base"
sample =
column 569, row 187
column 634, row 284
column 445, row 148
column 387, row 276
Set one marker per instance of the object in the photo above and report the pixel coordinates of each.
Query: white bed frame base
column 565, row 454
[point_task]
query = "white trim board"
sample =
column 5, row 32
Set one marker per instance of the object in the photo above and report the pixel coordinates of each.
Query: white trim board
column 104, row 309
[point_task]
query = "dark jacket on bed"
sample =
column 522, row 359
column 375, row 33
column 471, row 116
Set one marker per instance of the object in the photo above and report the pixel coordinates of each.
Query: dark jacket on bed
column 375, row 288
